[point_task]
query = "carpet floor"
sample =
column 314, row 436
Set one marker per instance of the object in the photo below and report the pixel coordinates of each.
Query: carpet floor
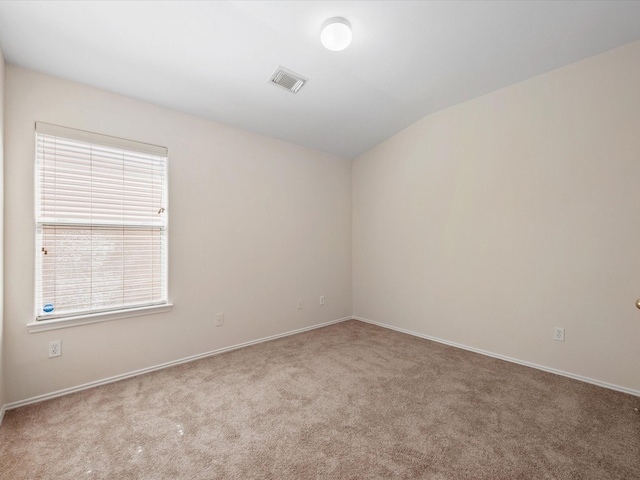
column 348, row 401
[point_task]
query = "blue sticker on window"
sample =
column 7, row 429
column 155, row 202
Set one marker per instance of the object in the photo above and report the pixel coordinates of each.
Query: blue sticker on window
column 48, row 308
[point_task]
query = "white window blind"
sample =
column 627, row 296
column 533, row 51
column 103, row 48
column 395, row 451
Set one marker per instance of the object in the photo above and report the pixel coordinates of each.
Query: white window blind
column 101, row 223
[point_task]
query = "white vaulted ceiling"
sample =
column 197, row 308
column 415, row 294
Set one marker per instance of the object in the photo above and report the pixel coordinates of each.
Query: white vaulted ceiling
column 214, row 59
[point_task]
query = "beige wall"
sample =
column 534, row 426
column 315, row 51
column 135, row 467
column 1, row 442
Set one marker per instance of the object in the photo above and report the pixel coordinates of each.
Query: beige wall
column 2, row 387
column 486, row 224
column 491, row 222
column 255, row 224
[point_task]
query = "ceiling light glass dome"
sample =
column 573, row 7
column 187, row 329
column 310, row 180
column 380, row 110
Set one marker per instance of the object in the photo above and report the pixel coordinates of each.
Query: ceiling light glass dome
column 336, row 34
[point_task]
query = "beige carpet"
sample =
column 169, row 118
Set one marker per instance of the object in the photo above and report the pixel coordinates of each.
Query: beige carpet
column 348, row 401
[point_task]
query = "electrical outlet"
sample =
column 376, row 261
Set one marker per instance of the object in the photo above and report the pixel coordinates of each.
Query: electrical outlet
column 300, row 304
column 558, row 334
column 219, row 319
column 55, row 349
column 322, row 300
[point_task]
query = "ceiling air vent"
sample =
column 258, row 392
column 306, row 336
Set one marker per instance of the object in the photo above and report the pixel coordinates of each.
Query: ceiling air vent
column 288, row 80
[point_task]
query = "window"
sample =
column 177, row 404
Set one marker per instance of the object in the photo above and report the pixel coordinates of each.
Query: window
column 101, row 223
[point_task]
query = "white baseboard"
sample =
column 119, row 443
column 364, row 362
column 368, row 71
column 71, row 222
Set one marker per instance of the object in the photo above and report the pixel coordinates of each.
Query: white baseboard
column 503, row 357
column 97, row 383
column 192, row 358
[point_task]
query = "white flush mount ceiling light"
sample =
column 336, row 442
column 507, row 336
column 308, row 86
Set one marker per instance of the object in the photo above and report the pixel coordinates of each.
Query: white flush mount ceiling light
column 336, row 34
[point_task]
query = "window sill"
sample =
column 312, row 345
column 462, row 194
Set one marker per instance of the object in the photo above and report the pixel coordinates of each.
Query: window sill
column 54, row 324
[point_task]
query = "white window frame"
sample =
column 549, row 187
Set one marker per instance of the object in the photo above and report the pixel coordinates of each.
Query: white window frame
column 50, row 322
